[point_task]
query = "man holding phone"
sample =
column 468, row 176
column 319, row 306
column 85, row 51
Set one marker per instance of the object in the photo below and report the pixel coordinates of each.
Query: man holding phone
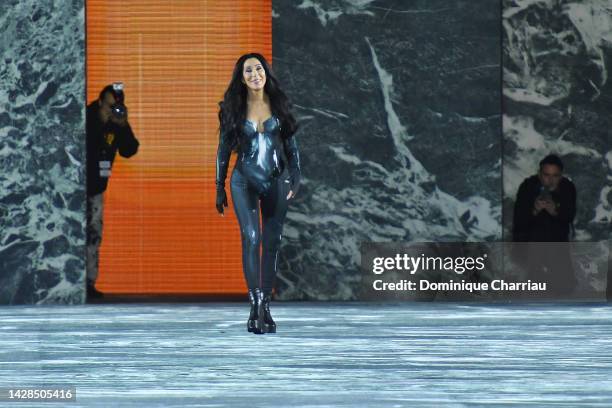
column 544, row 211
column 545, row 204
column 108, row 131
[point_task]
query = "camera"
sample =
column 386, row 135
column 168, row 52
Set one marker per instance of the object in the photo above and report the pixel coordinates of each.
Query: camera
column 118, row 109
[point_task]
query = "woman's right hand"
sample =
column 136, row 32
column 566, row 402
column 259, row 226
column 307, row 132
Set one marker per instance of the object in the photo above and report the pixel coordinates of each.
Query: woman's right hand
column 221, row 200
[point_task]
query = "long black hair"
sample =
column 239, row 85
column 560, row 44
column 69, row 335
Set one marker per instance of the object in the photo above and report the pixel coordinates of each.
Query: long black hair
column 233, row 107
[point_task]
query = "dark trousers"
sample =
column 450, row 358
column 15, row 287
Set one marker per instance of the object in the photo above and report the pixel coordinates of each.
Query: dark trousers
column 260, row 272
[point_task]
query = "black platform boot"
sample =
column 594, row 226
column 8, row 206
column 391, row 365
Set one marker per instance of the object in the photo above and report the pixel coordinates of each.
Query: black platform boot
column 253, row 313
column 269, row 324
column 258, row 326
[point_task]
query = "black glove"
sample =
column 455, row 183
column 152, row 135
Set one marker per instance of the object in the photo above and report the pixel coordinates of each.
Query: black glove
column 221, row 199
column 294, row 182
column 293, row 157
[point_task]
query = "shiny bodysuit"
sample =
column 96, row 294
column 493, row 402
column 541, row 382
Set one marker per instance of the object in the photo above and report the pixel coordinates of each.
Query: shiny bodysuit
column 259, row 179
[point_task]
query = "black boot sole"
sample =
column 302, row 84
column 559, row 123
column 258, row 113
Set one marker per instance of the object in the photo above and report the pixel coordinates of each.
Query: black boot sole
column 259, row 326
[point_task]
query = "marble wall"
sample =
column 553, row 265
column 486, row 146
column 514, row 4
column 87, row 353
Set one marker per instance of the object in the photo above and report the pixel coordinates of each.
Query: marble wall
column 399, row 104
column 42, row 151
column 557, row 94
column 557, row 57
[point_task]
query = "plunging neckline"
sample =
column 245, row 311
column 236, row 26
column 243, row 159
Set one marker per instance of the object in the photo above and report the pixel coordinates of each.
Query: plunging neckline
column 263, row 123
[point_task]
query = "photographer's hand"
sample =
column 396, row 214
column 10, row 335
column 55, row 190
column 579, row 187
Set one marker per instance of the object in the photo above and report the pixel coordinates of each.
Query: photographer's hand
column 104, row 116
column 551, row 207
column 119, row 121
column 537, row 206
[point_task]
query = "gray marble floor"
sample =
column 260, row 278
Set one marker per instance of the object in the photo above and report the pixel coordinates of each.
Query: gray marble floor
column 324, row 354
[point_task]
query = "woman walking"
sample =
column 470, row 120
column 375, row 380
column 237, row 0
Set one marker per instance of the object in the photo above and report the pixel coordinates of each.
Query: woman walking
column 255, row 120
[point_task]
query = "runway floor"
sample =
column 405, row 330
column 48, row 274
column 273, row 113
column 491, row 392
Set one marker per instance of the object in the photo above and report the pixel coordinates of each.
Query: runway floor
column 323, row 355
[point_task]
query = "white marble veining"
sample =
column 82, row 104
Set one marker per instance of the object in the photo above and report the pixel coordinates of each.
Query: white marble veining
column 329, row 11
column 399, row 136
column 42, row 151
column 324, row 354
column 557, row 93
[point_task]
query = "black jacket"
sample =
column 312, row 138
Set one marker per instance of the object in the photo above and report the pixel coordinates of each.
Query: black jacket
column 543, row 227
column 103, row 141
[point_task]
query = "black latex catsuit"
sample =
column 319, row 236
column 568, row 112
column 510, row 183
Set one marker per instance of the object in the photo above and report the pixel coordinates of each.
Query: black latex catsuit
column 267, row 168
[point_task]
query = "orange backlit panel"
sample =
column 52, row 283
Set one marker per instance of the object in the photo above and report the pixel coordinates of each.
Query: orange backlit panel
column 162, row 233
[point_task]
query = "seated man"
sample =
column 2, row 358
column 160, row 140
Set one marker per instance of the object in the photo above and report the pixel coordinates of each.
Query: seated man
column 108, row 131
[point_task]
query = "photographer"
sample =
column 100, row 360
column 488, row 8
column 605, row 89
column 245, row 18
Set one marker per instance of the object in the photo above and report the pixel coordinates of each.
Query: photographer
column 545, row 205
column 108, row 131
column 544, row 211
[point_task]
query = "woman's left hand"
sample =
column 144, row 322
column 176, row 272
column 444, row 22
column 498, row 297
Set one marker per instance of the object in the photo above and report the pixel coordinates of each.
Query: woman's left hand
column 294, row 183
